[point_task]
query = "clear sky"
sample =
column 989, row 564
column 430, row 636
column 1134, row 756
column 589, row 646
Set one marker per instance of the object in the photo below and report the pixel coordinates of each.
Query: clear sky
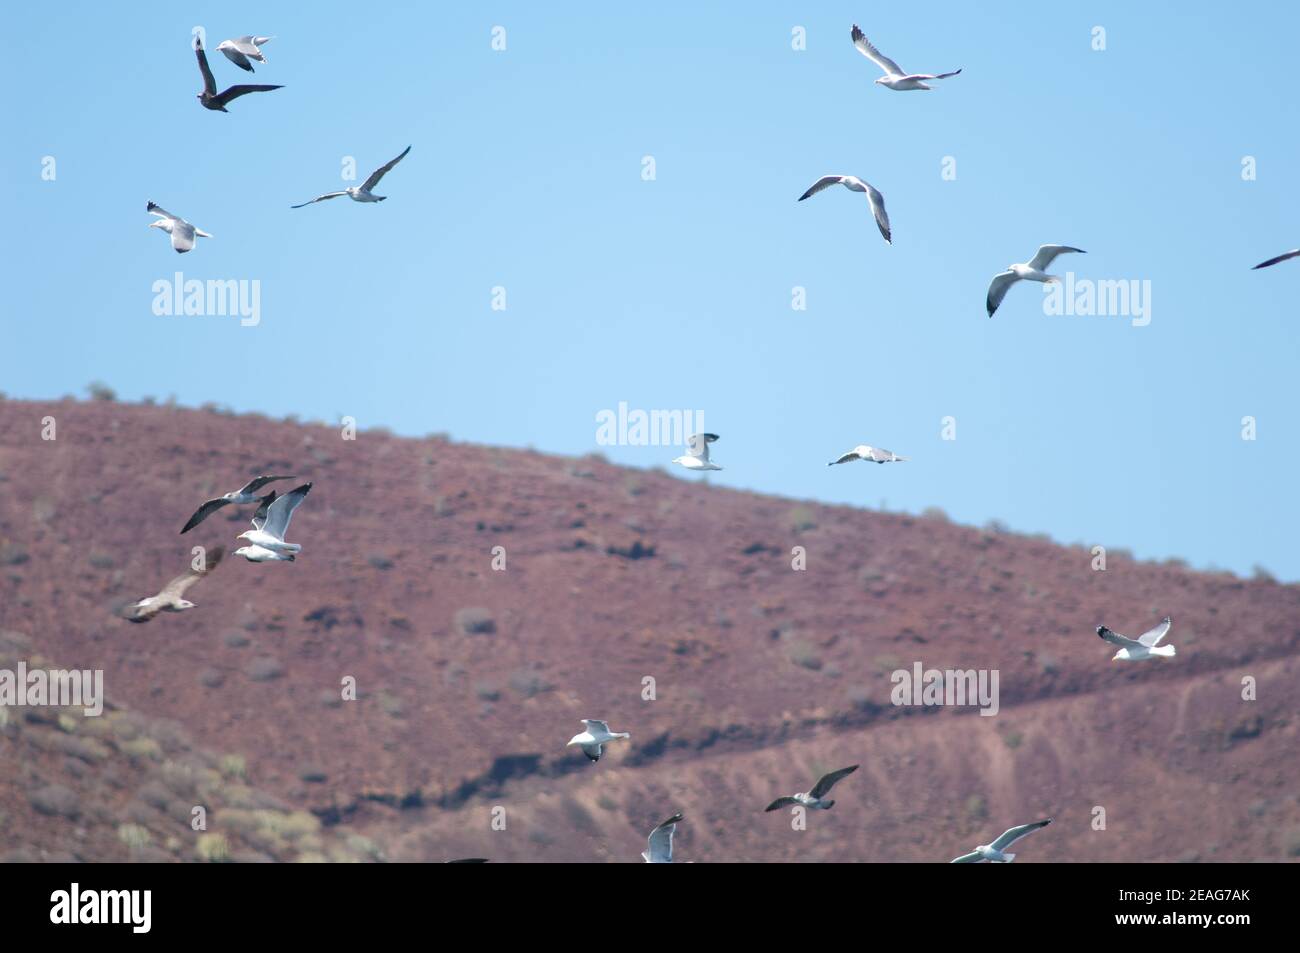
column 526, row 173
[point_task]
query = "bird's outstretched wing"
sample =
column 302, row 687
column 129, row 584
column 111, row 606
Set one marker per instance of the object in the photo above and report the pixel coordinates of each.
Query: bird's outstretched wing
column 1046, row 254
column 320, row 198
column 846, row 458
column 828, row 781
column 870, row 52
column 237, row 57
column 203, row 512
column 176, row 588
column 1114, row 638
column 974, row 857
column 154, row 209
column 1152, row 639
column 255, row 484
column 659, row 845
column 780, row 803
column 698, row 444
column 1293, row 253
column 1011, row 835
column 936, row 75
column 877, row 202
column 259, row 517
column 234, row 92
column 998, row 289
column 209, row 84
column 595, row 724
column 379, row 173
column 825, row 182
column 280, row 512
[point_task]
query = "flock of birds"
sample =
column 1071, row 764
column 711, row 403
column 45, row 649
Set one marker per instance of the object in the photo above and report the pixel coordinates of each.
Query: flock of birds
column 241, row 52
column 265, row 542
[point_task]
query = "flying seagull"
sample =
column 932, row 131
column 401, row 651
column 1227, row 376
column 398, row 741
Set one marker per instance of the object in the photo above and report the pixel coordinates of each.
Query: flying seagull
column 245, row 494
column 659, row 845
column 1147, row 645
column 854, row 184
column 170, row 599
column 994, row 853
column 871, row 455
column 362, row 194
column 210, row 98
column 1030, row 271
column 266, row 542
column 593, row 740
column 698, row 457
column 1293, row 253
column 816, row 797
column 894, row 76
column 181, row 231
column 245, row 48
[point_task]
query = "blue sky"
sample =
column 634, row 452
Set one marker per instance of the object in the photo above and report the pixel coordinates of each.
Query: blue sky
column 526, row 173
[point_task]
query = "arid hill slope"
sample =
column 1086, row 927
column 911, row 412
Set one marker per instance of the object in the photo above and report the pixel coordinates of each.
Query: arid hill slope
column 471, row 679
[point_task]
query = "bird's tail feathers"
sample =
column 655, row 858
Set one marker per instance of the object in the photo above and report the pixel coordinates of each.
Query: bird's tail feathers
column 1168, row 651
column 1007, row 858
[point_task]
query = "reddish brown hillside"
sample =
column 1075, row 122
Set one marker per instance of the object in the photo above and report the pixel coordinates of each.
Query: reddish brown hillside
column 471, row 679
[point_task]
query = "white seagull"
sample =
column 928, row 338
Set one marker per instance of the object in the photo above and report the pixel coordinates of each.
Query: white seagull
column 245, row 48
column 894, row 76
column 854, row 184
column 659, row 845
column 266, row 542
column 995, row 853
column 596, row 736
column 1293, row 253
column 816, row 798
column 245, row 494
column 1145, row 647
column 698, row 457
column 181, row 231
column 362, row 193
column 1032, row 270
column 170, row 599
column 871, row 455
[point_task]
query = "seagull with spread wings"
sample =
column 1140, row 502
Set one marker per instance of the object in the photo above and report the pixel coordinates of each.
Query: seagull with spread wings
column 1032, row 270
column 698, row 456
column 181, row 231
column 245, row 48
column 363, row 192
column 854, row 184
column 894, row 77
column 995, row 853
column 245, row 494
column 1293, row 253
column 266, row 542
column 592, row 741
column 1145, row 646
column 659, row 845
column 171, row 598
column 210, row 98
column 871, row 455
column 816, row 798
